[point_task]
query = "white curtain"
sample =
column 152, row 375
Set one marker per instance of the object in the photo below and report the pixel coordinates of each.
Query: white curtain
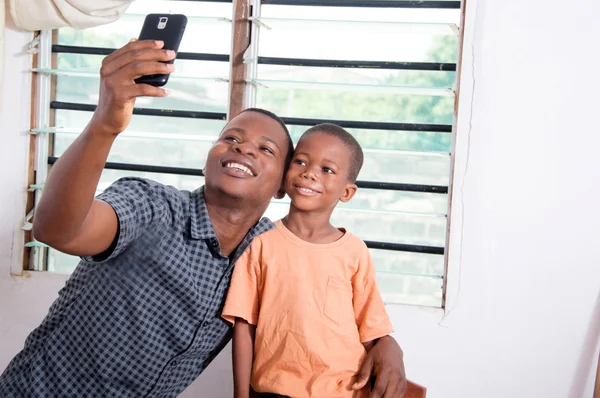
column 49, row 14
column 35, row 15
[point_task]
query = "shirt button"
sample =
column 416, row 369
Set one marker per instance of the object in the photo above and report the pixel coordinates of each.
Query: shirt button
column 205, row 324
column 214, row 243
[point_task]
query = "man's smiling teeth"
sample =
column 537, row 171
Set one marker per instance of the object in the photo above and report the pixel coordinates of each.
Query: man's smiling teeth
column 240, row 167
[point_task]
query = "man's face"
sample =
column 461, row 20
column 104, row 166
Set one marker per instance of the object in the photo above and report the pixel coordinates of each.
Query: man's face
column 248, row 159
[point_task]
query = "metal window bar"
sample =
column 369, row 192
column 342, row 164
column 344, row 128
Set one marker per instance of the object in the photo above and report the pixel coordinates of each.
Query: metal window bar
column 357, row 124
column 358, row 3
column 324, row 63
column 368, row 3
column 67, row 49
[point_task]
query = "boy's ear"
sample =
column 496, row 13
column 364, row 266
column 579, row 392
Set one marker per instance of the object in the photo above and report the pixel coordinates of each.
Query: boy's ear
column 280, row 194
column 348, row 193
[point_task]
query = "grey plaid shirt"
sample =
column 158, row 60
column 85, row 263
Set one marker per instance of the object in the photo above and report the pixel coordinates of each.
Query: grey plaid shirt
column 144, row 321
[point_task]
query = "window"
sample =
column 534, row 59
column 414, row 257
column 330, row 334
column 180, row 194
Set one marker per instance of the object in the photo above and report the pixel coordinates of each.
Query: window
column 385, row 70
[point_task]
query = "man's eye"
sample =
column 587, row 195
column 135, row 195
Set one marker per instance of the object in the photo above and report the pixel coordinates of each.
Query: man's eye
column 231, row 138
column 267, row 149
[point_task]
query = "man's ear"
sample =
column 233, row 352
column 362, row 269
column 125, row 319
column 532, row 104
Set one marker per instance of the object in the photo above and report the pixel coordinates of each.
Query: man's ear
column 348, row 193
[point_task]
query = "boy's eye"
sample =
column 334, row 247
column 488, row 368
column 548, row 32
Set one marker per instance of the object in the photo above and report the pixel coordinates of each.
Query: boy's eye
column 300, row 162
column 328, row 170
column 231, row 138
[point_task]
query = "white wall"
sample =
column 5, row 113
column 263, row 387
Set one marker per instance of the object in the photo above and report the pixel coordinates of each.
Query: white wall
column 524, row 279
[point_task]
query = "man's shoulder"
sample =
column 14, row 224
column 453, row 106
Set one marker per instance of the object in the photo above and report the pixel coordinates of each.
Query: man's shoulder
column 139, row 187
column 151, row 200
column 261, row 233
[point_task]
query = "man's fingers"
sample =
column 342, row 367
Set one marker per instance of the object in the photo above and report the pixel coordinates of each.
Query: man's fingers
column 140, row 68
column 146, row 90
column 393, row 389
column 136, row 56
column 132, row 45
column 364, row 374
column 381, row 388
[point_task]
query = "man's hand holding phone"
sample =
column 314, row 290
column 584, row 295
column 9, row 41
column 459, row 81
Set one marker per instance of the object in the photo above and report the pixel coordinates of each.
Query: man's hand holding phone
column 118, row 89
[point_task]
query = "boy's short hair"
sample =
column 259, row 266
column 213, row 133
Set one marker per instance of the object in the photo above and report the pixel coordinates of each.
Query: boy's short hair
column 290, row 147
column 356, row 152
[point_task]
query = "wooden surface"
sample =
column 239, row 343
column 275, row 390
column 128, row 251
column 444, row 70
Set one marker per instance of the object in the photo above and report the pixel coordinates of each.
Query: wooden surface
column 240, row 42
column 415, row 390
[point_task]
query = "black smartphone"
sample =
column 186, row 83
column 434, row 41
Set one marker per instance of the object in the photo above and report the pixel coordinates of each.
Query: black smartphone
column 166, row 27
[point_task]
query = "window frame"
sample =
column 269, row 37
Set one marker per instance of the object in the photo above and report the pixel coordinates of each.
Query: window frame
column 243, row 62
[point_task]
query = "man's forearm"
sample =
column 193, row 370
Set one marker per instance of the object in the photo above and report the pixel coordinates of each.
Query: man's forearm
column 67, row 216
column 70, row 188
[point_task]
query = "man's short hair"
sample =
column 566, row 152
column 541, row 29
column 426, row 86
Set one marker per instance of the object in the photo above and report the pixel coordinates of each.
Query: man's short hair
column 290, row 148
column 356, row 152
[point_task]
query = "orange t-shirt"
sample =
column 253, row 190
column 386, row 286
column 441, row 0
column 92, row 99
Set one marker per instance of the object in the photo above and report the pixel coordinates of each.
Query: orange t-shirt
column 313, row 305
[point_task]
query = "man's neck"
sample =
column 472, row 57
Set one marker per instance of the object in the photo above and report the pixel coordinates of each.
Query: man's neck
column 314, row 227
column 231, row 219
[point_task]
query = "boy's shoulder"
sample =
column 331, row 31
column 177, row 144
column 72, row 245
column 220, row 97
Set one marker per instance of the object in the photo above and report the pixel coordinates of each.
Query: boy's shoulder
column 354, row 240
column 272, row 235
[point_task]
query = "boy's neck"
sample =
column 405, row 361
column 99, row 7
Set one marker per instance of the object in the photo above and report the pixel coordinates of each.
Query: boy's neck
column 313, row 227
column 231, row 219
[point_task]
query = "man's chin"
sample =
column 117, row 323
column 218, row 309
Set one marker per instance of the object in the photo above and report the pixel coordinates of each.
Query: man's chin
column 226, row 190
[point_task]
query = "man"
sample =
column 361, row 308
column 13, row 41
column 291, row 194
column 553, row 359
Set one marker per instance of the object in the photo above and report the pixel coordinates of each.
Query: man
column 140, row 316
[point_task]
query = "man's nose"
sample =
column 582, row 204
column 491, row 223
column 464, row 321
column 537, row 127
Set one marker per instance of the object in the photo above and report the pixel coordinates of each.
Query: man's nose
column 246, row 149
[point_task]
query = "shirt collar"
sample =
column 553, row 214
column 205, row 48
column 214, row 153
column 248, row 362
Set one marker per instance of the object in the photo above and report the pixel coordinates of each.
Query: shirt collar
column 201, row 227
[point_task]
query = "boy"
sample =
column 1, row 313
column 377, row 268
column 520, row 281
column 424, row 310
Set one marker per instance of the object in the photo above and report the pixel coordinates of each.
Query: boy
column 304, row 294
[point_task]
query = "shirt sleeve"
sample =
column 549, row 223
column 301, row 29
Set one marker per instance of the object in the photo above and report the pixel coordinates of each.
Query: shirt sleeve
column 243, row 297
column 371, row 316
column 138, row 203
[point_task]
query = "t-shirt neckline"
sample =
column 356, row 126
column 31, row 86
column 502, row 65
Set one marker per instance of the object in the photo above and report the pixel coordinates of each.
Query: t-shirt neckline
column 301, row 242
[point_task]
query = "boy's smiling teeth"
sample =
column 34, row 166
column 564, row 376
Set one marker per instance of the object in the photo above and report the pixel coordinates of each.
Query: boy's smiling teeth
column 239, row 167
column 307, row 190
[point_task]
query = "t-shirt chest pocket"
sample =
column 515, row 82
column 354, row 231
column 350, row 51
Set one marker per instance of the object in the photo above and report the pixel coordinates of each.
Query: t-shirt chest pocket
column 338, row 301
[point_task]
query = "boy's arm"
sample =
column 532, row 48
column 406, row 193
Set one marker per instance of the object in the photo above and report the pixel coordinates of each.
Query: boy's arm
column 243, row 355
column 68, row 217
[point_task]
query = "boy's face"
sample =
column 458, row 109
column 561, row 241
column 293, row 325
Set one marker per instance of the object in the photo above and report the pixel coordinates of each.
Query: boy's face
column 318, row 175
column 247, row 160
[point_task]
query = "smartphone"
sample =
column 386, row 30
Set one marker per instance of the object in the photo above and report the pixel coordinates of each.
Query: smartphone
column 166, row 27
